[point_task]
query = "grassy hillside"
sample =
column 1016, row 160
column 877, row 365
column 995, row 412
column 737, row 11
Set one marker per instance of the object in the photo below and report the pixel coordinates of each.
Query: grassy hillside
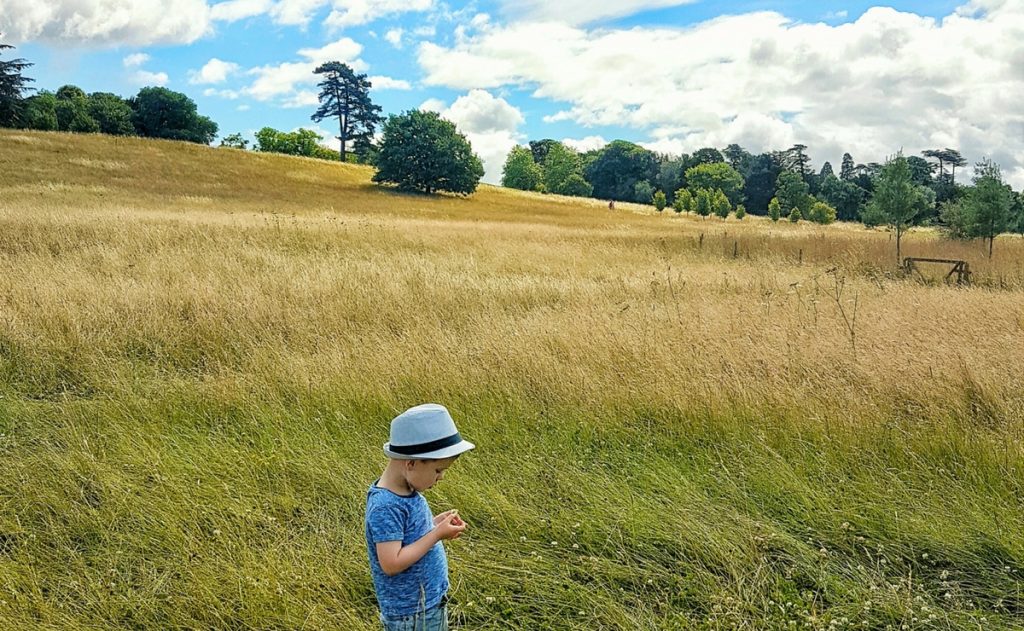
column 681, row 423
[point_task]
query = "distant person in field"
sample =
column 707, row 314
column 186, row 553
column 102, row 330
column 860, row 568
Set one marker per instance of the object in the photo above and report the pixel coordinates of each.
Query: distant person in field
column 403, row 538
column 611, row 205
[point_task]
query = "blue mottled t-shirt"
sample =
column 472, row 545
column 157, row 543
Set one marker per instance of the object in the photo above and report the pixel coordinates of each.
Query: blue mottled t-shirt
column 405, row 518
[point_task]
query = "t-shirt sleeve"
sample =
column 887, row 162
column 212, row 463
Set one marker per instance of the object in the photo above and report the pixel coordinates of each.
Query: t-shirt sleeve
column 386, row 524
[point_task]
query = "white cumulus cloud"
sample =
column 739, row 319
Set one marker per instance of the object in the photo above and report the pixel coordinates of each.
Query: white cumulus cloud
column 235, row 10
column 380, row 82
column 346, row 13
column 135, row 60
column 490, row 124
column 293, row 82
column 145, row 78
column 214, row 71
column 105, row 22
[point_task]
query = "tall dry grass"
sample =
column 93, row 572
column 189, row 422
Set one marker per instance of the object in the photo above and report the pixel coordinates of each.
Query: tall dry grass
column 683, row 423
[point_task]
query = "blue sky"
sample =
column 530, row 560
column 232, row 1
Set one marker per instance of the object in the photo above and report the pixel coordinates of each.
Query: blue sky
column 675, row 76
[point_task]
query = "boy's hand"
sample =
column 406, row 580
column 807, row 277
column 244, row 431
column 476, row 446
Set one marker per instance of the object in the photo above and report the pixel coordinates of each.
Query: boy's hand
column 450, row 526
column 442, row 516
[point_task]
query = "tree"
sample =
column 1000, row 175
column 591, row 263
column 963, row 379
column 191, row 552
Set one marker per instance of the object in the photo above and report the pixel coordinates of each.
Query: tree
column 760, row 177
column 826, row 170
column 301, row 142
column 796, row 160
column 704, row 203
column 670, row 175
column 162, row 113
column 955, row 221
column 717, row 175
column 741, row 212
column 234, row 141
column 720, row 203
column 988, row 204
column 847, row 171
column 40, row 112
column 843, row 195
column 73, row 111
column 659, row 201
column 12, row 85
column 794, row 215
column 521, row 171
column 792, row 191
column 707, row 155
column 618, row 167
column 576, row 186
column 560, row 164
column 420, row 151
column 822, row 213
column 643, row 192
column 540, row 148
column 774, row 209
column 897, row 200
column 738, row 157
column 112, row 114
column 683, row 202
column 345, row 95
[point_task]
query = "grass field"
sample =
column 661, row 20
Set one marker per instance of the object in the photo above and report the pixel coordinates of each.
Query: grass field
column 681, row 423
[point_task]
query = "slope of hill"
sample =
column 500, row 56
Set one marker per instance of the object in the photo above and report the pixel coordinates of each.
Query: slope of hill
column 682, row 423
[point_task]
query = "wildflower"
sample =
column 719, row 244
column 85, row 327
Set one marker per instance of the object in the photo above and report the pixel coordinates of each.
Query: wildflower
column 489, row 599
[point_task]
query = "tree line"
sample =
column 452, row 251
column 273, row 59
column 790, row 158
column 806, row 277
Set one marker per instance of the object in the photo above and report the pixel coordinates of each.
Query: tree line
column 903, row 192
column 418, row 151
column 154, row 112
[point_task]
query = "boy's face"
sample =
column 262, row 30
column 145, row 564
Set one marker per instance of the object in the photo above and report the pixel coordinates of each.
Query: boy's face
column 423, row 474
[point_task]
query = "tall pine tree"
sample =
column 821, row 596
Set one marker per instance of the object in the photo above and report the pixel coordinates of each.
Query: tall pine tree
column 345, row 95
column 12, row 84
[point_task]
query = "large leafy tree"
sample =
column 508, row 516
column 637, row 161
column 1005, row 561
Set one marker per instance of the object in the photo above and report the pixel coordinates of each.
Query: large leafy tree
column 760, row 177
column 618, row 167
column 521, row 171
column 12, row 86
column 345, row 95
column 562, row 171
column 843, row 195
column 112, row 114
column 706, row 155
column 162, row 113
column 897, row 200
column 540, row 149
column 41, row 111
column 73, row 110
column 420, row 151
column 792, row 192
column 717, row 175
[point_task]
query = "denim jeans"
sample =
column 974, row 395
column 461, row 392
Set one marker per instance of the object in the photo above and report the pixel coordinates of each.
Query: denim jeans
column 433, row 619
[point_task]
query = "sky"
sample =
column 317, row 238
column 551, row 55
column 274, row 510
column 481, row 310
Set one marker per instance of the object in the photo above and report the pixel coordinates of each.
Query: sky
column 671, row 75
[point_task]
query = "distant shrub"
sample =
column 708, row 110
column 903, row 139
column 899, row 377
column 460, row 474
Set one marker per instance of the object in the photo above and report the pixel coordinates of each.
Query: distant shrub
column 794, row 215
column 683, row 202
column 659, row 201
column 741, row 211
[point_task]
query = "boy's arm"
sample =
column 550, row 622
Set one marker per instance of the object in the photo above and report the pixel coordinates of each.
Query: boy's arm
column 395, row 558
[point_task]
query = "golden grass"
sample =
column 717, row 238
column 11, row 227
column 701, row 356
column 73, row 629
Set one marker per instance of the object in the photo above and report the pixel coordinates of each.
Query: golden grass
column 213, row 282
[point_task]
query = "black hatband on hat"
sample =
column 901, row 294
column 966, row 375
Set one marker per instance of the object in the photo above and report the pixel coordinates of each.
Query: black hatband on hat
column 423, row 448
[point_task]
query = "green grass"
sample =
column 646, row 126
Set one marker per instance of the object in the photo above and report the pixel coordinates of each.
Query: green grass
column 196, row 378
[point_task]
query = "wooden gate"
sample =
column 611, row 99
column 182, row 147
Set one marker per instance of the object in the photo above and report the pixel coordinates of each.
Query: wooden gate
column 961, row 268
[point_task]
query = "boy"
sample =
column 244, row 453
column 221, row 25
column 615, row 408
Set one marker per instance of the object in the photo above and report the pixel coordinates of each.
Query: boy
column 403, row 539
